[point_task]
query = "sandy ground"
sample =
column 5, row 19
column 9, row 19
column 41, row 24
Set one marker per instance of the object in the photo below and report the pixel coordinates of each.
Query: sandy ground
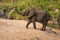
column 16, row 30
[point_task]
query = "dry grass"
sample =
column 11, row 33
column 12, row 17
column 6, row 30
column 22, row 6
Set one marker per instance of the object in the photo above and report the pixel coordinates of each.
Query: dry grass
column 15, row 30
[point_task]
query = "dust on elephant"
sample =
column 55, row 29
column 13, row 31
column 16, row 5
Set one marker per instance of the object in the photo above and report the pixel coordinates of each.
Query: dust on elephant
column 36, row 15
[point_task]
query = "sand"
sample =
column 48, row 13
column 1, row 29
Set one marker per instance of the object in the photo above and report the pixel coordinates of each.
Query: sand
column 16, row 30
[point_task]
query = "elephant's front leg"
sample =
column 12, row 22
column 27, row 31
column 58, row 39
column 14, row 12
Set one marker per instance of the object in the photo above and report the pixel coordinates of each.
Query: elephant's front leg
column 34, row 23
column 29, row 21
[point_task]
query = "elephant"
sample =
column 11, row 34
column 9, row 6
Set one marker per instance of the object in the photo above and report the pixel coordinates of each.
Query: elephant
column 35, row 15
column 3, row 13
column 58, row 20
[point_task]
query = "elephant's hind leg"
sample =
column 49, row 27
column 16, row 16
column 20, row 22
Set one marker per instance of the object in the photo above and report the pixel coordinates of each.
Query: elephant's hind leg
column 34, row 23
column 29, row 22
column 44, row 26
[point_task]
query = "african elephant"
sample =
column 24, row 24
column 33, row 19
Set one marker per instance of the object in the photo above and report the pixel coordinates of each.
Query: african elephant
column 3, row 13
column 36, row 15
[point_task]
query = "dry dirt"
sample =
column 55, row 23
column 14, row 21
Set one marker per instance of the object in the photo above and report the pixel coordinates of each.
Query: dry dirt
column 16, row 30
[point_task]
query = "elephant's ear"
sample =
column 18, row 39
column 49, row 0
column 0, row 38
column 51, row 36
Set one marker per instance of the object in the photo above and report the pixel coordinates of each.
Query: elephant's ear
column 31, row 14
column 25, row 12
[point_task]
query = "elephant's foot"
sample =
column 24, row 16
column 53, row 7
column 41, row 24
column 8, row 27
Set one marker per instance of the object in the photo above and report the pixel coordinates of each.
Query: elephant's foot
column 34, row 27
column 26, row 27
column 43, row 29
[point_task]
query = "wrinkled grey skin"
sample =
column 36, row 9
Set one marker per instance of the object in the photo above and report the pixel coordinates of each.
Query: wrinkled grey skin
column 58, row 20
column 36, row 15
column 3, row 13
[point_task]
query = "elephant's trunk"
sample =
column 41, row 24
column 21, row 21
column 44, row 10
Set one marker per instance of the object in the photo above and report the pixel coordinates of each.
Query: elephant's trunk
column 18, row 12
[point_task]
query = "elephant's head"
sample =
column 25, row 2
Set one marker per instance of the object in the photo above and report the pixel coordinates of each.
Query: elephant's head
column 25, row 12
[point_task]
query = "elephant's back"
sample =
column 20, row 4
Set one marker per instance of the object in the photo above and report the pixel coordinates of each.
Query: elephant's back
column 40, row 14
column 40, row 11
